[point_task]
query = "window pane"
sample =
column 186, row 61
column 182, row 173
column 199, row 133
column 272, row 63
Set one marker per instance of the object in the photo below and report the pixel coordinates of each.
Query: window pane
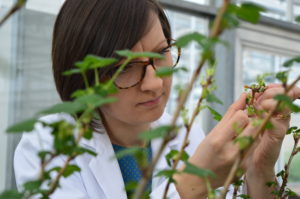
column 182, row 24
column 276, row 8
column 205, row 2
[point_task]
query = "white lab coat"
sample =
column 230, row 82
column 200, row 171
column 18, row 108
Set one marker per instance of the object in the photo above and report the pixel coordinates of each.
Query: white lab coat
column 100, row 176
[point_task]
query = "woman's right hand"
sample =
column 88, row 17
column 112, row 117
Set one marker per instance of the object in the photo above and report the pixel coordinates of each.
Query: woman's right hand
column 216, row 152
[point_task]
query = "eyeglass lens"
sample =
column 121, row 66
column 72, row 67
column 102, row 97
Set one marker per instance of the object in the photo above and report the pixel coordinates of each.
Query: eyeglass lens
column 133, row 73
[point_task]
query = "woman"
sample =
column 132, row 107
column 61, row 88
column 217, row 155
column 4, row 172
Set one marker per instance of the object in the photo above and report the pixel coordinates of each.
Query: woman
column 101, row 27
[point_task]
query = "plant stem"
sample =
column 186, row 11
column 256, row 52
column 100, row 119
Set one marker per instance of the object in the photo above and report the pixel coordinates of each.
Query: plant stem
column 287, row 167
column 216, row 31
column 244, row 153
column 188, row 128
column 17, row 6
column 236, row 188
column 54, row 184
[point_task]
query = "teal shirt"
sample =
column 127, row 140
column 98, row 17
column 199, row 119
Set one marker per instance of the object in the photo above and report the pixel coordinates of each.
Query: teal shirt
column 130, row 169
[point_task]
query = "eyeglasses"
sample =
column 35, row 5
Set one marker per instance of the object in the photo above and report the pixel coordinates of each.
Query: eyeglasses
column 135, row 71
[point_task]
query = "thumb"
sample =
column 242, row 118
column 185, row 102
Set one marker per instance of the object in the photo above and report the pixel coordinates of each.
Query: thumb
column 239, row 104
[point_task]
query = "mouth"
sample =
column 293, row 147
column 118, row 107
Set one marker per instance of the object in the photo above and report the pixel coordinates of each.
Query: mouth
column 152, row 101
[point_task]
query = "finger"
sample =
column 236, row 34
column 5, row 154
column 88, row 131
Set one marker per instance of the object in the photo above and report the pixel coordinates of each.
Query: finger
column 234, row 126
column 239, row 104
column 295, row 93
column 249, row 131
column 270, row 93
column 273, row 85
column 279, row 129
column 270, row 104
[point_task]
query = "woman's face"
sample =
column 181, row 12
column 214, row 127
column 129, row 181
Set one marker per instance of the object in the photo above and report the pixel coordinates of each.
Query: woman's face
column 131, row 107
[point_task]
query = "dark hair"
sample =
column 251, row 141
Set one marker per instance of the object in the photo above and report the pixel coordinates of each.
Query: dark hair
column 98, row 27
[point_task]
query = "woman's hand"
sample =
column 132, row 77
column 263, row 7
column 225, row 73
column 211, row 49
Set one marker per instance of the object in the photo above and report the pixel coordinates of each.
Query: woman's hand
column 261, row 163
column 267, row 151
column 217, row 151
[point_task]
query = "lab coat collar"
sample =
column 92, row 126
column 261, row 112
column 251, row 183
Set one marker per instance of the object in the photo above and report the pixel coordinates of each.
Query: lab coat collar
column 106, row 168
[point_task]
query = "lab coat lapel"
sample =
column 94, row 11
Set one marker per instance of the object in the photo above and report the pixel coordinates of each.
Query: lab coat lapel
column 106, row 169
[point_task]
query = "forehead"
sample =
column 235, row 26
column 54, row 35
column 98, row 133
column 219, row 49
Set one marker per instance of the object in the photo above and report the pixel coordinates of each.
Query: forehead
column 154, row 37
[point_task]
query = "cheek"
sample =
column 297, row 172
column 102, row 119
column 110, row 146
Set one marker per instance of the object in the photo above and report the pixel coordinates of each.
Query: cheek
column 168, row 84
column 124, row 102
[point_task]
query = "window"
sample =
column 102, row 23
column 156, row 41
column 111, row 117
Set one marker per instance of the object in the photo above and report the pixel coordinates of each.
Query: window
column 182, row 24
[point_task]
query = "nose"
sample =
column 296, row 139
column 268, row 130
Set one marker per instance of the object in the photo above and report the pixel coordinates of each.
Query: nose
column 151, row 82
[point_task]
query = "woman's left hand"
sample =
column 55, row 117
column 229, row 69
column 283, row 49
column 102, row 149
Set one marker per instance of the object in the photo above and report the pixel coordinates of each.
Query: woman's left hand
column 269, row 143
column 261, row 163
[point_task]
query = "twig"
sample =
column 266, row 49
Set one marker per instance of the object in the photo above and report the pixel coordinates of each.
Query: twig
column 287, row 167
column 17, row 6
column 216, row 30
column 188, row 128
column 244, row 153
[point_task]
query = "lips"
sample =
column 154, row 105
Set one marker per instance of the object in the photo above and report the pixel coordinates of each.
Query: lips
column 152, row 101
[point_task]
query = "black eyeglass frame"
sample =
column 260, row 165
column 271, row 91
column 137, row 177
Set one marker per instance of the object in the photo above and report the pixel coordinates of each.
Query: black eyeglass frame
column 150, row 62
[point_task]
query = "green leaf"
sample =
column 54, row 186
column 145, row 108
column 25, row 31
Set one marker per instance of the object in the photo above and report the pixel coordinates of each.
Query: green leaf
column 11, row 194
column 159, row 132
column 70, row 169
column 269, row 125
column 202, row 173
column 88, row 134
column 186, row 39
column 168, row 173
column 289, row 192
column 64, row 107
column 288, row 101
column 134, row 55
column 44, row 154
column 213, row 99
column 244, row 141
column 250, row 12
column 282, row 76
column 281, row 174
column 167, row 71
column 130, row 186
column 129, row 151
column 24, row 126
column 238, row 183
column 230, row 20
column 291, row 129
column 93, row 62
column 297, row 19
column 271, row 184
column 72, row 71
column 94, row 100
column 244, row 196
column 32, row 185
column 217, row 116
column 173, row 155
column 290, row 62
column 81, row 150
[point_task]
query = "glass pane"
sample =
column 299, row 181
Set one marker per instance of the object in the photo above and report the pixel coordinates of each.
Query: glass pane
column 276, row 8
column 296, row 10
column 182, row 24
column 257, row 62
column 203, row 2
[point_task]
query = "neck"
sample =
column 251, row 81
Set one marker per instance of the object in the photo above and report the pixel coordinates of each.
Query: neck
column 124, row 134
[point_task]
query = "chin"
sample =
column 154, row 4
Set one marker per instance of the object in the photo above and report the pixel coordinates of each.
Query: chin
column 150, row 115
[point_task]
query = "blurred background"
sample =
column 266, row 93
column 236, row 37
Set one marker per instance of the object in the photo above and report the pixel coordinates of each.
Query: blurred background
column 26, row 82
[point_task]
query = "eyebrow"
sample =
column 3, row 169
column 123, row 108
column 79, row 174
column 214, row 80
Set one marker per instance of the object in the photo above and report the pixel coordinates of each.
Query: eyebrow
column 156, row 49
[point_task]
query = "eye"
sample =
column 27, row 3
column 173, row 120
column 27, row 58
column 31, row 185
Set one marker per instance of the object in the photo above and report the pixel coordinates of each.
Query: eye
column 128, row 67
column 165, row 50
